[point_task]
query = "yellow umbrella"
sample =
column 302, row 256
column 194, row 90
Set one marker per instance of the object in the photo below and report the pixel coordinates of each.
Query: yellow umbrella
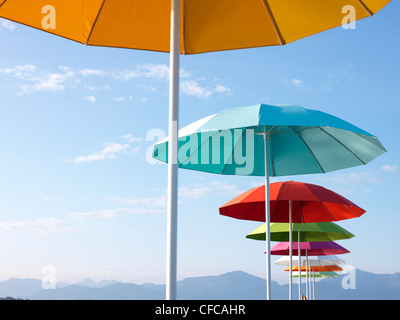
column 205, row 25
column 187, row 27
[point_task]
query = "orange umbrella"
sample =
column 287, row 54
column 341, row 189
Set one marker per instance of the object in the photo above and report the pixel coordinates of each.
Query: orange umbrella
column 317, row 268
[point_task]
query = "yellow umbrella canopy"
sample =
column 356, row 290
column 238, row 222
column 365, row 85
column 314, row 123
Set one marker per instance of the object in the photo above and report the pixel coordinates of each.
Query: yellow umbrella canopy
column 206, row 25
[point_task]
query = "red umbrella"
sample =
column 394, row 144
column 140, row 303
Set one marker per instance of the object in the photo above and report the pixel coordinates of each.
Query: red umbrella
column 323, row 248
column 310, row 203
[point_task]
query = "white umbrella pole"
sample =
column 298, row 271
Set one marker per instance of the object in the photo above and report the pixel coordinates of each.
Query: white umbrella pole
column 299, row 255
column 313, row 285
column 172, row 205
column 306, row 275
column 290, row 249
column 267, row 214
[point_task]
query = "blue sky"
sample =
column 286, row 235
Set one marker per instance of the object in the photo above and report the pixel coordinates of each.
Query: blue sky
column 79, row 193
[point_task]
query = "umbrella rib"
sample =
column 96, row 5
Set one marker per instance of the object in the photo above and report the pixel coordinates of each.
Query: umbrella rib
column 348, row 207
column 334, row 219
column 271, row 16
column 366, row 8
column 309, row 149
column 3, row 3
column 201, row 145
column 383, row 149
column 94, row 23
column 248, row 208
column 342, row 145
column 301, row 212
column 234, row 147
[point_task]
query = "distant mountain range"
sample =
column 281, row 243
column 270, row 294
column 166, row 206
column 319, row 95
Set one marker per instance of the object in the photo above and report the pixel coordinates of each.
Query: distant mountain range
column 236, row 285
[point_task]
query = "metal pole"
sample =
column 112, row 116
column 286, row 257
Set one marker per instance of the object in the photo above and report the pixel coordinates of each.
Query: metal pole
column 267, row 214
column 313, row 285
column 172, row 202
column 306, row 275
column 299, row 255
column 290, row 249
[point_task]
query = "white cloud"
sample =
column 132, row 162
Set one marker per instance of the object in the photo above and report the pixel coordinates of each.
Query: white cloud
column 356, row 179
column 108, row 152
column 202, row 190
column 122, row 99
column 389, row 168
column 97, row 214
column 192, row 88
column 90, row 99
column 139, row 206
column 130, row 138
column 92, row 72
column 43, row 226
column 6, row 24
column 153, row 205
column 49, row 82
column 195, row 191
column 31, row 78
column 147, row 202
column 21, row 72
column 149, row 70
column 222, row 89
column 40, row 80
column 296, row 82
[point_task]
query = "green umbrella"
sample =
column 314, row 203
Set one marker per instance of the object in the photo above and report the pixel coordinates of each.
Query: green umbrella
column 324, row 274
column 308, row 232
column 266, row 140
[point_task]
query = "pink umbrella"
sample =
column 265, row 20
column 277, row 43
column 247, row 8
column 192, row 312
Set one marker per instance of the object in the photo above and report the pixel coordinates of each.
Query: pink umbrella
column 322, row 248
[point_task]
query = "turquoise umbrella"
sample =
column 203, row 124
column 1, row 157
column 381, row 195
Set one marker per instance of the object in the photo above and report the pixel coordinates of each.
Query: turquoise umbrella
column 295, row 140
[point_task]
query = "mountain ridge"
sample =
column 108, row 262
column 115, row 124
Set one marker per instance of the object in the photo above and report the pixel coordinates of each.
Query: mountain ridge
column 234, row 285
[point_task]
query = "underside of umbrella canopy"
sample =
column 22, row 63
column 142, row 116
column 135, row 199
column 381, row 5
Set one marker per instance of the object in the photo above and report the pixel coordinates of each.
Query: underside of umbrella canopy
column 311, row 261
column 310, row 203
column 325, row 274
column 317, row 268
column 309, row 232
column 309, row 248
column 206, row 25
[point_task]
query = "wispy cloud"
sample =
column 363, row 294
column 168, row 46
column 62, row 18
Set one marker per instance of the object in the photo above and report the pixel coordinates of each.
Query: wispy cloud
column 90, row 99
column 32, row 79
column 92, row 72
column 296, row 82
column 6, row 24
column 44, row 226
column 140, row 206
column 97, row 214
column 131, row 138
column 202, row 190
column 109, row 151
column 144, row 202
column 389, row 168
column 193, row 88
column 149, row 70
